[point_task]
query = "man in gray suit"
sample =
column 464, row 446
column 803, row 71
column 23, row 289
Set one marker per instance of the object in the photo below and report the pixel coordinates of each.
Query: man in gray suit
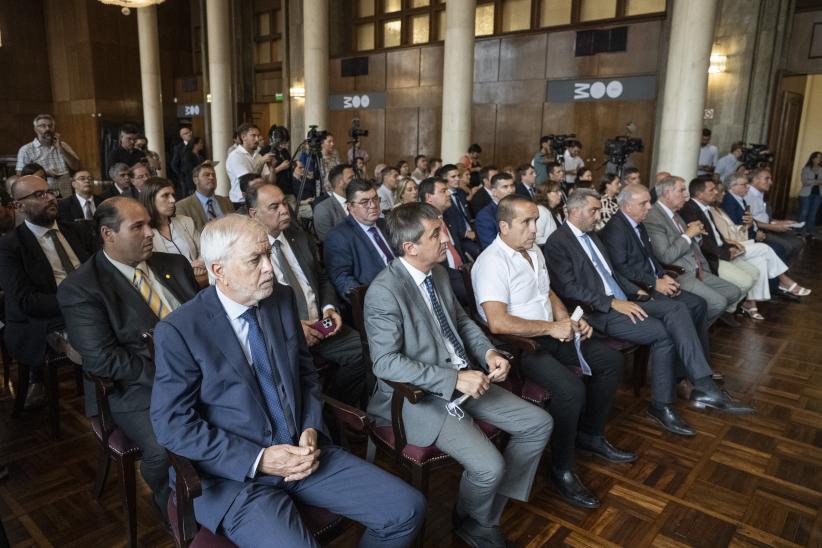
column 204, row 206
column 675, row 242
column 420, row 335
column 332, row 210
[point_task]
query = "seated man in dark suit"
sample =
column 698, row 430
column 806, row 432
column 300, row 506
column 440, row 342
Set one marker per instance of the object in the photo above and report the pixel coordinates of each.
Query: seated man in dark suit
column 582, row 274
column 435, row 193
column 204, row 206
column 81, row 206
column 635, row 264
column 482, row 197
column 126, row 152
column 293, row 255
column 459, row 214
column 120, row 175
column 417, row 333
column 502, row 184
column 332, row 211
column 109, row 304
column 357, row 249
column 513, row 295
column 526, row 181
column 246, row 409
column 35, row 258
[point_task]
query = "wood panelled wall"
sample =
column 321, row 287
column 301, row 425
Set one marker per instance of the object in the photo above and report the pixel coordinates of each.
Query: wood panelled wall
column 26, row 88
column 510, row 112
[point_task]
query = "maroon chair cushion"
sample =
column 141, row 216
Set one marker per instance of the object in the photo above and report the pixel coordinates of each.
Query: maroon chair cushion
column 317, row 520
column 534, row 393
column 424, row 455
column 118, row 443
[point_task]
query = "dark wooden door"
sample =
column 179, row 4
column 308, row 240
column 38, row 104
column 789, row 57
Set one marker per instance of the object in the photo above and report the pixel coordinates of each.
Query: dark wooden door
column 784, row 134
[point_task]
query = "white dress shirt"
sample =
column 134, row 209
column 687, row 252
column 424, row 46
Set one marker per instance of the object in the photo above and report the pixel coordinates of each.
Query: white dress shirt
column 546, row 225
column 707, row 211
column 305, row 287
column 708, row 155
column 240, row 162
column 341, row 201
column 670, row 215
column 502, row 274
column 47, row 245
column 579, row 236
column 83, row 203
column 419, row 280
column 759, row 209
column 572, row 164
column 168, row 298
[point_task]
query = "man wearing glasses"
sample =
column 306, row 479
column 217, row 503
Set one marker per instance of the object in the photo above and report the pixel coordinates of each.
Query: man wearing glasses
column 357, row 249
column 48, row 150
column 83, row 204
column 35, row 258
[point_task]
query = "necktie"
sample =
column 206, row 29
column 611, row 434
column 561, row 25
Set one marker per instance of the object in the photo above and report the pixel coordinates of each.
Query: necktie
column 583, row 365
column 440, row 315
column 699, row 273
column 616, row 291
column 87, row 214
column 265, row 378
column 717, row 236
column 375, row 233
column 152, row 298
column 212, row 214
column 290, row 278
column 452, row 251
column 458, row 204
column 65, row 262
column 639, row 230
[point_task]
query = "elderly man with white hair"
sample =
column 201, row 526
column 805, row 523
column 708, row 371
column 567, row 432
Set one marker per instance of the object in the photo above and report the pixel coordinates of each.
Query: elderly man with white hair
column 245, row 408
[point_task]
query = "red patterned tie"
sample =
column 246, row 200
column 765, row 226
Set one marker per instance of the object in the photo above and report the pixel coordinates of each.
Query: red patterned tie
column 450, row 247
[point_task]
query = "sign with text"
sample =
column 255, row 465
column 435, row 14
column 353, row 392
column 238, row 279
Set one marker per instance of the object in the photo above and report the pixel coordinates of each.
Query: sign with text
column 356, row 100
column 189, row 111
column 625, row 88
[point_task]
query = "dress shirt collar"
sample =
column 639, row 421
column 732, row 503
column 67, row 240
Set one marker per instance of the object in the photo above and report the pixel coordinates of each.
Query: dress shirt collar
column 702, row 206
column 755, row 191
column 40, row 231
column 127, row 270
column 232, row 308
column 366, row 228
column 203, row 198
column 739, row 199
column 243, row 150
column 666, row 209
column 632, row 222
column 341, row 200
column 84, row 200
column 577, row 232
column 417, row 275
column 510, row 251
column 280, row 237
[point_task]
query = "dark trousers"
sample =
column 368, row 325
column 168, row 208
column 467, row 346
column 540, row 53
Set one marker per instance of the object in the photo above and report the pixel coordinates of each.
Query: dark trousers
column 577, row 403
column 669, row 331
column 345, row 349
column 698, row 310
column 788, row 241
column 264, row 514
column 154, row 462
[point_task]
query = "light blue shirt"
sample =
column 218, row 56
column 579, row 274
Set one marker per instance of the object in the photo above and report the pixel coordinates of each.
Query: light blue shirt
column 204, row 202
column 579, row 236
column 366, row 228
column 759, row 210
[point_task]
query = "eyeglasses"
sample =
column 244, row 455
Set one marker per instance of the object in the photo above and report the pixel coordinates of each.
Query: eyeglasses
column 369, row 202
column 39, row 195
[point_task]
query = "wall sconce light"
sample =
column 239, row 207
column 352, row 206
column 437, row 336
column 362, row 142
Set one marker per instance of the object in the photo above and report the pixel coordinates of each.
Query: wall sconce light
column 719, row 63
column 208, row 97
column 297, row 92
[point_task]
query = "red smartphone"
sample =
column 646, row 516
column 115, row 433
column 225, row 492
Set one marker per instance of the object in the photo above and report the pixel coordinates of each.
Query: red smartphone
column 325, row 326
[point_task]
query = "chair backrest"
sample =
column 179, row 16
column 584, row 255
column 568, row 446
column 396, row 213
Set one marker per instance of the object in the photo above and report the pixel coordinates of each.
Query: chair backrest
column 471, row 306
column 357, row 297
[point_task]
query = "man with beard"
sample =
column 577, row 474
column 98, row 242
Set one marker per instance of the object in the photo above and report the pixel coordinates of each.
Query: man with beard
column 48, row 150
column 35, row 258
column 109, row 304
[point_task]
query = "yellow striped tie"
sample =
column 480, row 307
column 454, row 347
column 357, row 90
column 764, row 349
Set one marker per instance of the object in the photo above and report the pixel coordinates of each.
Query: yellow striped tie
column 151, row 297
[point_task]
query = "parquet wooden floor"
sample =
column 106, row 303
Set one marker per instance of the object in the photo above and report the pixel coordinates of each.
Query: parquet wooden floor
column 742, row 481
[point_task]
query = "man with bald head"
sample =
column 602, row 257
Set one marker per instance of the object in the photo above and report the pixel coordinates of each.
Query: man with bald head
column 82, row 205
column 109, row 303
column 35, row 258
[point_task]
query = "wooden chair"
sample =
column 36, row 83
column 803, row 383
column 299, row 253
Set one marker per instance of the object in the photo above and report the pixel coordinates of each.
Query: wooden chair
column 115, row 446
column 324, row 525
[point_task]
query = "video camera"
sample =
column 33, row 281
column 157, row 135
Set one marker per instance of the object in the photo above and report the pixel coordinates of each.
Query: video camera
column 315, row 139
column 559, row 143
column 619, row 148
column 355, row 132
column 754, row 156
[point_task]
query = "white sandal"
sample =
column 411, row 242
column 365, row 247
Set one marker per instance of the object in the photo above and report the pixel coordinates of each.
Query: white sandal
column 802, row 292
column 752, row 313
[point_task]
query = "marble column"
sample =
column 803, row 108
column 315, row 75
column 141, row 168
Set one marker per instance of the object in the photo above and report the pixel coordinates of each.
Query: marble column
column 149, row 45
column 218, row 15
column 686, row 80
column 315, row 51
column 458, row 84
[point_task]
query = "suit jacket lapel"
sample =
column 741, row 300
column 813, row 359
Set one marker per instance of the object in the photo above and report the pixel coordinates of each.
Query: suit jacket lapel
column 167, row 278
column 367, row 241
column 122, row 289
column 30, row 244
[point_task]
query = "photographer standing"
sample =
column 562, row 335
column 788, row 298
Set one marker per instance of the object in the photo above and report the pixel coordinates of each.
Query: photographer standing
column 246, row 158
column 542, row 158
column 56, row 156
column 573, row 163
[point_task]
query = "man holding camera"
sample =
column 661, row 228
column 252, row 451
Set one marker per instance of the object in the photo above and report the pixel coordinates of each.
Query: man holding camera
column 48, row 150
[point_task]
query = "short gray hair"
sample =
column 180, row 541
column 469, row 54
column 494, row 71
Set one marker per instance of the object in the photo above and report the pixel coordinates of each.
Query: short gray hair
column 219, row 238
column 733, row 179
column 117, row 168
column 405, row 224
column 42, row 117
column 579, row 198
column 630, row 193
column 667, row 184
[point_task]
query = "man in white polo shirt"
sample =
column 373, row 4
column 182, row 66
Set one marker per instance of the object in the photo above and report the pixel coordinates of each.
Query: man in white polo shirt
column 246, row 158
column 513, row 295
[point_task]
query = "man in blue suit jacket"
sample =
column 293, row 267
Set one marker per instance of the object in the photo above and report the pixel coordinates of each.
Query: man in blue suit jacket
column 357, row 249
column 245, row 407
column 459, row 216
column 502, row 184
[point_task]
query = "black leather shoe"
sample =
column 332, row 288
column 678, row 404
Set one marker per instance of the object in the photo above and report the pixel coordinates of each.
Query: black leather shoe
column 727, row 319
column 571, row 489
column 718, row 400
column 668, row 418
column 604, row 450
column 478, row 536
